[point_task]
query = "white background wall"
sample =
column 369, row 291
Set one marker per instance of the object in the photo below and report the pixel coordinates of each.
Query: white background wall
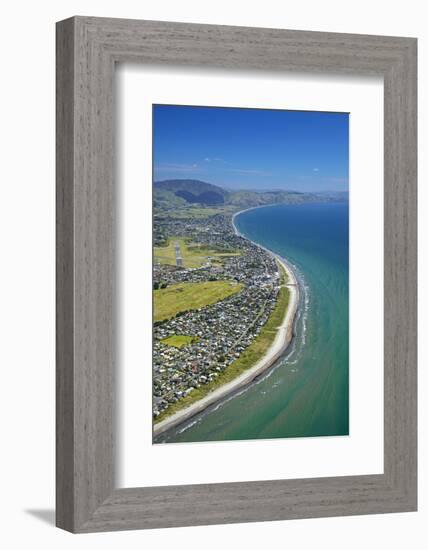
column 27, row 272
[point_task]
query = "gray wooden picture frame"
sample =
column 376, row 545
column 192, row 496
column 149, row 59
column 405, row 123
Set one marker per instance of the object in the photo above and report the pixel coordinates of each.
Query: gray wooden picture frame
column 87, row 50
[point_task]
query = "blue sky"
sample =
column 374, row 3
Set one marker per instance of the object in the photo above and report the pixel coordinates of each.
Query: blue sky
column 251, row 148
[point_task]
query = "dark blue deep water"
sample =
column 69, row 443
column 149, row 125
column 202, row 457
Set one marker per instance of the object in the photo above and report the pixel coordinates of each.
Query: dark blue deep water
column 306, row 393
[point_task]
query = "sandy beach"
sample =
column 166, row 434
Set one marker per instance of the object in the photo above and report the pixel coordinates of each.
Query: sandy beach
column 281, row 342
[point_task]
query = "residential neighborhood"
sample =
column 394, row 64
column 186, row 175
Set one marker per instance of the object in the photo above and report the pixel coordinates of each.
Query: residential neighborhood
column 217, row 334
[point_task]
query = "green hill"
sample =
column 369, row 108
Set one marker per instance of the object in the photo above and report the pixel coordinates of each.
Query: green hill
column 189, row 191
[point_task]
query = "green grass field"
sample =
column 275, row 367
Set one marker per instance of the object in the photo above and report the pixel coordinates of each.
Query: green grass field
column 179, row 340
column 184, row 296
column 192, row 254
column 247, row 359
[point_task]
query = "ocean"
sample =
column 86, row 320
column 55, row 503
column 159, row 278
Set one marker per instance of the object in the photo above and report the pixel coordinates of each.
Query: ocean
column 306, row 394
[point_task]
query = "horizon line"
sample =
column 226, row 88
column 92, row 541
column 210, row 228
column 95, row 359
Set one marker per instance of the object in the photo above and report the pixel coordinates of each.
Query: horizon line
column 254, row 189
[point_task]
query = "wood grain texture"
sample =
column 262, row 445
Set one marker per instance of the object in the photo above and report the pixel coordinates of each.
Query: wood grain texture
column 87, row 49
column 64, row 277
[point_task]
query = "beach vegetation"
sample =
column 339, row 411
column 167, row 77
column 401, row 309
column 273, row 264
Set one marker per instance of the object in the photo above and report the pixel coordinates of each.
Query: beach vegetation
column 282, row 273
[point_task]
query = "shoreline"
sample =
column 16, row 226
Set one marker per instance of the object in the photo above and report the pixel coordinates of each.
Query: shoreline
column 280, row 344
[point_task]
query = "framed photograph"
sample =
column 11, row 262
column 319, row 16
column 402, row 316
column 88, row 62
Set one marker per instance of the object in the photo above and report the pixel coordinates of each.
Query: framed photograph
column 230, row 296
column 236, row 274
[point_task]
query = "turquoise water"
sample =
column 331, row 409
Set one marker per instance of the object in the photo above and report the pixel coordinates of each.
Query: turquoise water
column 306, row 393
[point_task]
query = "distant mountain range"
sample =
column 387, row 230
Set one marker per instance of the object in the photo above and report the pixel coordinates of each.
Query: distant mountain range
column 170, row 194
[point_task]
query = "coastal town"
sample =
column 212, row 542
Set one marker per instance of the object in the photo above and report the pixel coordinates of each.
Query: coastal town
column 249, row 274
column 196, row 342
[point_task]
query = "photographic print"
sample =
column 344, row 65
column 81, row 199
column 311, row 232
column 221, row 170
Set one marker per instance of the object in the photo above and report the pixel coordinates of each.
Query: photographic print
column 250, row 273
